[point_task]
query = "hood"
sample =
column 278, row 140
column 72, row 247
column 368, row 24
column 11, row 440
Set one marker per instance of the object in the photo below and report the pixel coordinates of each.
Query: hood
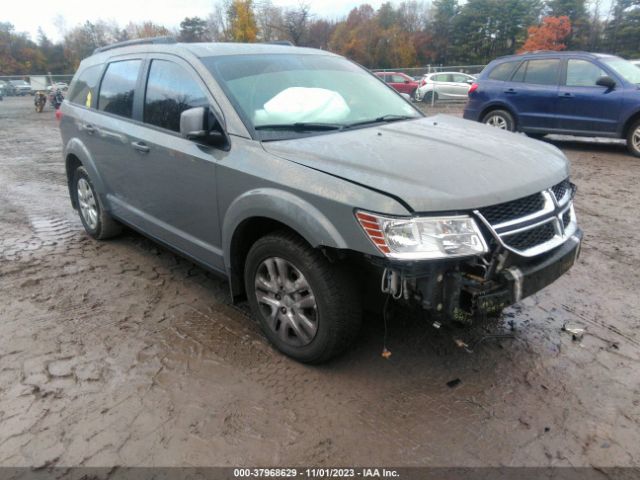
column 439, row 163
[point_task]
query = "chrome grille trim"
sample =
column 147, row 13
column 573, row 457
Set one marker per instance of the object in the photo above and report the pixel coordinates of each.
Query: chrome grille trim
column 549, row 207
column 553, row 211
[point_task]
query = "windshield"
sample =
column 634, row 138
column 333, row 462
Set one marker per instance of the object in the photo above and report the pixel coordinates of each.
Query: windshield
column 285, row 95
column 625, row 69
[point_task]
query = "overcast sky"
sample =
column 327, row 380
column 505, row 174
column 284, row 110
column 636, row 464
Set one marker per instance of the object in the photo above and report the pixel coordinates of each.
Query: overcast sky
column 34, row 13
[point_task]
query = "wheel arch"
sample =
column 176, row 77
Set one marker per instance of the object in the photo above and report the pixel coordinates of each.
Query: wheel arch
column 259, row 212
column 635, row 117
column 500, row 106
column 75, row 155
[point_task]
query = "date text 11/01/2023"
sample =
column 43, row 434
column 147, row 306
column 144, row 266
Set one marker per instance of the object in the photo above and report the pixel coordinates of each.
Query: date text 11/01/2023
column 315, row 473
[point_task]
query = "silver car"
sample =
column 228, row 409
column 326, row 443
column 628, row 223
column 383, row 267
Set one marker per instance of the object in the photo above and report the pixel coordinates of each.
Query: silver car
column 444, row 86
column 312, row 187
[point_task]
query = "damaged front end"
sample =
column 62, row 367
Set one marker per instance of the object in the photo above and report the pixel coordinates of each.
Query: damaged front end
column 480, row 263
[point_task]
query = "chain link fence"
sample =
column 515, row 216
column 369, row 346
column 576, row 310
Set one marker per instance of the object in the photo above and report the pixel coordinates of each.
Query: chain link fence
column 445, row 92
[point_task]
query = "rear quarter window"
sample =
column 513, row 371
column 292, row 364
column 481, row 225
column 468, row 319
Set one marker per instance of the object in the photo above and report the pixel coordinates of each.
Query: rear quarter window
column 503, row 71
column 84, row 88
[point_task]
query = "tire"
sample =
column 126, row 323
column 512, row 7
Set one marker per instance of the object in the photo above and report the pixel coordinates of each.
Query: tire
column 500, row 119
column 427, row 97
column 633, row 139
column 96, row 221
column 332, row 309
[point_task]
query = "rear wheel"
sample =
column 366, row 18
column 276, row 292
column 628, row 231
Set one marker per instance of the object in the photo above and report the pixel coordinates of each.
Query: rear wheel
column 307, row 307
column 97, row 223
column 633, row 139
column 500, row 119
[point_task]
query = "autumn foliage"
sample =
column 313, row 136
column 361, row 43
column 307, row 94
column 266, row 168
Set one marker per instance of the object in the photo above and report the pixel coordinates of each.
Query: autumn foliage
column 549, row 35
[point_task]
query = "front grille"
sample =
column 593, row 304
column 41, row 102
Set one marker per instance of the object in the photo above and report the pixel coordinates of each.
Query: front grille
column 530, row 238
column 504, row 212
column 560, row 190
column 566, row 218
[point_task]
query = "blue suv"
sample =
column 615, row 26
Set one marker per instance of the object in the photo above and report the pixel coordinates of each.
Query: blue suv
column 570, row 93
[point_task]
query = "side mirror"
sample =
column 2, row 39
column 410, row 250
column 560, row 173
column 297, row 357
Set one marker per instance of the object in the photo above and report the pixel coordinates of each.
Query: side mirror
column 470, row 81
column 606, row 81
column 200, row 123
column 407, row 81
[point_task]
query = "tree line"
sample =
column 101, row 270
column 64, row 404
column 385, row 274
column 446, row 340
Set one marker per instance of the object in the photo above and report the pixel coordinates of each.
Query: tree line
column 411, row 33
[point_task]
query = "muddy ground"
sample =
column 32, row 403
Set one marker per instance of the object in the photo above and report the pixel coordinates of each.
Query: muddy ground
column 122, row 353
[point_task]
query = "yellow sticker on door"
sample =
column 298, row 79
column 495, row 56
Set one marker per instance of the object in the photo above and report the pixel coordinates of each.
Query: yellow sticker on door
column 88, row 102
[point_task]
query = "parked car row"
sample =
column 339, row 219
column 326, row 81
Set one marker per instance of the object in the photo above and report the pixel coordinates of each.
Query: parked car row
column 22, row 87
column 569, row 93
column 18, row 88
column 430, row 87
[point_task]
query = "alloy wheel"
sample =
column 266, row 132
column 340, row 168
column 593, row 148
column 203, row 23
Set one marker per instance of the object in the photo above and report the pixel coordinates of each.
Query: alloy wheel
column 87, row 202
column 497, row 121
column 636, row 139
column 286, row 301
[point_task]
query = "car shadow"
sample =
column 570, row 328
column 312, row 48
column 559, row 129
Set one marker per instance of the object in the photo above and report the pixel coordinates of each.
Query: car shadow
column 441, row 358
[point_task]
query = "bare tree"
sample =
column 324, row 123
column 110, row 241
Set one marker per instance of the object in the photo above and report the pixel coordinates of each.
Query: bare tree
column 413, row 16
column 270, row 21
column 296, row 23
column 218, row 25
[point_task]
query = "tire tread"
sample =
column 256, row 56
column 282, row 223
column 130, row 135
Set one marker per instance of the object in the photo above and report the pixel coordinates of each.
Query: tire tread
column 337, row 285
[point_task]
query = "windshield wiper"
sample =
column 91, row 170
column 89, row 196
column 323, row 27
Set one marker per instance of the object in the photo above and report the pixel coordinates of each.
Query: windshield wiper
column 302, row 126
column 383, row 119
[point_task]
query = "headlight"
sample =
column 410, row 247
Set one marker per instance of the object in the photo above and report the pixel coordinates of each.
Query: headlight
column 422, row 238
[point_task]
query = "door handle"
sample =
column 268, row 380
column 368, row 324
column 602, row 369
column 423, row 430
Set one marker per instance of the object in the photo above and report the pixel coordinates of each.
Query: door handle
column 512, row 91
column 566, row 95
column 90, row 129
column 141, row 147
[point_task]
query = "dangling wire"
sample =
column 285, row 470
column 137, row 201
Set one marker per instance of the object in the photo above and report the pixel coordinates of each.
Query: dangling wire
column 386, row 353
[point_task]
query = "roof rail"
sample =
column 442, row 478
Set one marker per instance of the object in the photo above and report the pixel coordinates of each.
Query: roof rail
column 281, row 42
column 136, row 41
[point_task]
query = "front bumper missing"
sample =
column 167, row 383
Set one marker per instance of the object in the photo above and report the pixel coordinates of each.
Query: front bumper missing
column 526, row 280
column 458, row 290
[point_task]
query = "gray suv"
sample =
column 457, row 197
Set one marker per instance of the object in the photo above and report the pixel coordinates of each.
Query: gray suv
column 312, row 186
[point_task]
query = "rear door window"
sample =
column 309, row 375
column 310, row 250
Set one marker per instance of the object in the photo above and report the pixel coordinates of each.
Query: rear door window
column 85, row 87
column 170, row 91
column 397, row 79
column 118, row 88
column 459, row 78
column 582, row 73
column 539, row 72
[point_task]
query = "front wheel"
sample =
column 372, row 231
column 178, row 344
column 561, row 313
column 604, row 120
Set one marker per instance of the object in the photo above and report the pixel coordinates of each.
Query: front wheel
column 307, row 307
column 430, row 97
column 500, row 119
column 633, row 139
